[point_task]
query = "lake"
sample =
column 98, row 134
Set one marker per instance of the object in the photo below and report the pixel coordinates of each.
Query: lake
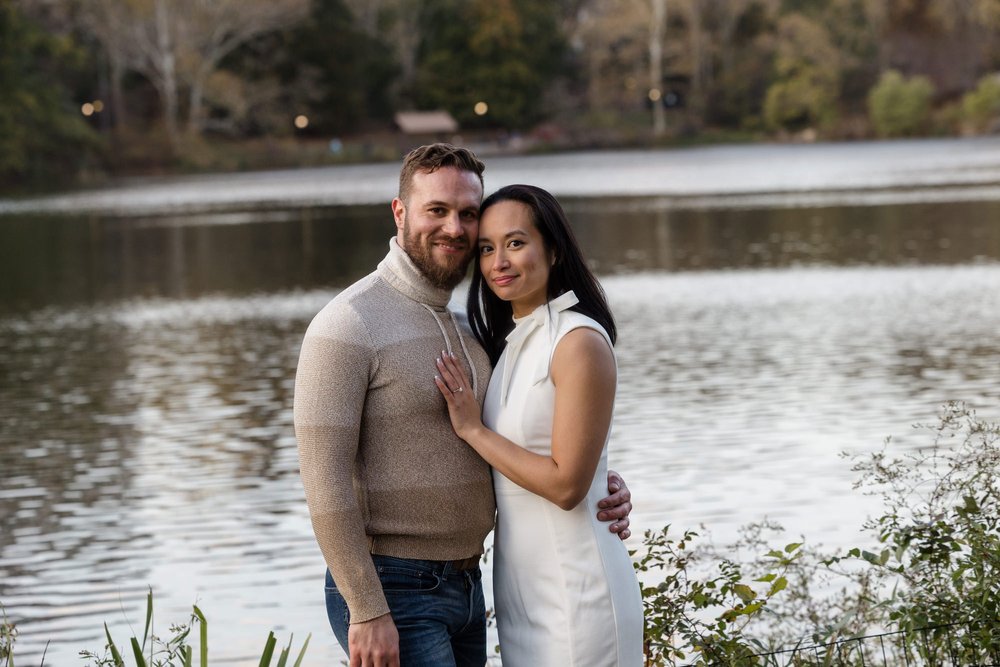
column 777, row 305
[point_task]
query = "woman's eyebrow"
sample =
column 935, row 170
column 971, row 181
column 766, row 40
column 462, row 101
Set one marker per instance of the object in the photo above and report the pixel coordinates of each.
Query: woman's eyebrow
column 513, row 232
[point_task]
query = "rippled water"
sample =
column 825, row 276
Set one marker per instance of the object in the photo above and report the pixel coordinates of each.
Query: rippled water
column 174, row 465
column 147, row 365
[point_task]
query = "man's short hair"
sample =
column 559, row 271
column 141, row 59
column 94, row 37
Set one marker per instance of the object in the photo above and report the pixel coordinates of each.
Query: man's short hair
column 432, row 157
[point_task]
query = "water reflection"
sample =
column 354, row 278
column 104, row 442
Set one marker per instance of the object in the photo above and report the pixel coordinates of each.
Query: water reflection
column 59, row 260
column 644, row 234
column 71, row 261
column 146, row 371
column 147, row 444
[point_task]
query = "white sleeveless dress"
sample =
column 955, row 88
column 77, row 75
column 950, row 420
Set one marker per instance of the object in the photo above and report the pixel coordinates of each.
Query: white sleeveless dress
column 564, row 588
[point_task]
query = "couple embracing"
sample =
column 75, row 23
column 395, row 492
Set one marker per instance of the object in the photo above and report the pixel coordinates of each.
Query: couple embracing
column 420, row 431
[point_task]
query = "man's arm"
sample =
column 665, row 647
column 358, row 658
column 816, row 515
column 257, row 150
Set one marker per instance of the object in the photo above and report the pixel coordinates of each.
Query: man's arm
column 331, row 383
column 617, row 506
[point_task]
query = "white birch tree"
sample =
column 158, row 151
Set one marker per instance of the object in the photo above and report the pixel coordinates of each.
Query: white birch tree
column 178, row 44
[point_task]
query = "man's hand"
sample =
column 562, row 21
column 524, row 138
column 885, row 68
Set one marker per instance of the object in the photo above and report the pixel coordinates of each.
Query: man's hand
column 373, row 643
column 617, row 506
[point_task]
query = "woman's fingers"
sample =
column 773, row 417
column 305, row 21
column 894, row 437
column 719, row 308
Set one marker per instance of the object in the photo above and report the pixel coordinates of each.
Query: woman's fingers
column 452, row 371
column 443, row 388
column 446, row 373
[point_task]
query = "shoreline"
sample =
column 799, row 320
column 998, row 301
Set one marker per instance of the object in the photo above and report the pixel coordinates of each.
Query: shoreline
column 867, row 173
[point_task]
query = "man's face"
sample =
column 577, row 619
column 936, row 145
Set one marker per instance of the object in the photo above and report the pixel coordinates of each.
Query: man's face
column 439, row 224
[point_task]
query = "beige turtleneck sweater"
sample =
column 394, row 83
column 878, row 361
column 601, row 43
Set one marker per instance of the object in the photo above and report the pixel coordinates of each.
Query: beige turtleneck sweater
column 382, row 468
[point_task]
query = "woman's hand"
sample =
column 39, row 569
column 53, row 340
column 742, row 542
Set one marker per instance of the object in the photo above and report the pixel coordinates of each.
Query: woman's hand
column 454, row 385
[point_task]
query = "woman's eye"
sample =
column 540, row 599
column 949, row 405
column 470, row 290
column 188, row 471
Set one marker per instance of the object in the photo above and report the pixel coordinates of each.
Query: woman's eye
column 515, row 244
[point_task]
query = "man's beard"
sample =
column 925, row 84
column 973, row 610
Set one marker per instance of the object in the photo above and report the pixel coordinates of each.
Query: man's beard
column 441, row 276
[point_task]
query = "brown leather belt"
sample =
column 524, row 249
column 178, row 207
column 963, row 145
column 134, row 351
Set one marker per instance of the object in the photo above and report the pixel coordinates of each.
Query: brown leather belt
column 464, row 564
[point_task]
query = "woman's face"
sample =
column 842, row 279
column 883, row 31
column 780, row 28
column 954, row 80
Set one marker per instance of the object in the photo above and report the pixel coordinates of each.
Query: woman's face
column 512, row 256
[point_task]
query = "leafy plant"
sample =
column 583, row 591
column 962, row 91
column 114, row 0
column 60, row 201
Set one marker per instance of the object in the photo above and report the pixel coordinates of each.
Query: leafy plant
column 899, row 106
column 940, row 533
column 927, row 591
column 8, row 634
column 702, row 619
column 806, row 82
column 981, row 107
column 175, row 651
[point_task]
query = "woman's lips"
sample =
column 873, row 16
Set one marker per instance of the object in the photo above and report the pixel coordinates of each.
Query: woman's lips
column 503, row 280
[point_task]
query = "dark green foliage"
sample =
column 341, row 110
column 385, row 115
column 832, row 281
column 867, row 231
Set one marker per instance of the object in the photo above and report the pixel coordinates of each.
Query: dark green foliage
column 353, row 72
column 505, row 53
column 737, row 98
column 326, row 68
column 806, row 83
column 42, row 134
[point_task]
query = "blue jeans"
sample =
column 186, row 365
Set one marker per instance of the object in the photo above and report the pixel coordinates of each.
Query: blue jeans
column 440, row 613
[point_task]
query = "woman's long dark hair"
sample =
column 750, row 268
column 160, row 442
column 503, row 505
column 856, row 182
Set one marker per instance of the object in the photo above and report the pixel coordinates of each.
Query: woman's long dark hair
column 491, row 318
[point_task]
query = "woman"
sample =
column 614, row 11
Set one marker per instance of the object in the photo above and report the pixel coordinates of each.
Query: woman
column 564, row 587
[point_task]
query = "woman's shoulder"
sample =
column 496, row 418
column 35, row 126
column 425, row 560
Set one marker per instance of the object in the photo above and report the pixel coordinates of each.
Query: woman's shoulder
column 571, row 320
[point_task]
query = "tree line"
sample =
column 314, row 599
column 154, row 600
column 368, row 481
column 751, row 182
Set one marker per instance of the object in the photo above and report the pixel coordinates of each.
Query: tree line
column 118, row 84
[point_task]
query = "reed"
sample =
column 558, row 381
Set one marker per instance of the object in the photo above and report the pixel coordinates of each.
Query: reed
column 153, row 651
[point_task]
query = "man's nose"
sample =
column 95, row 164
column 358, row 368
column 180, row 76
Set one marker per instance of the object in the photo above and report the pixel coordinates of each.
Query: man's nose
column 452, row 225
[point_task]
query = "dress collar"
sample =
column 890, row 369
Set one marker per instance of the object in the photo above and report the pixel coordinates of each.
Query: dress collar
column 398, row 270
column 544, row 318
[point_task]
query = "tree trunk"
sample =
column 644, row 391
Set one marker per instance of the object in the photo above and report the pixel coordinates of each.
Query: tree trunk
column 656, row 32
column 406, row 37
column 116, row 71
column 167, row 71
column 196, row 118
column 697, row 60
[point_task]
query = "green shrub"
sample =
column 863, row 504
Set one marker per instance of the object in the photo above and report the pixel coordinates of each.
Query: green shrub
column 806, row 100
column 981, row 107
column 700, row 619
column 941, row 533
column 899, row 106
column 932, row 572
column 806, row 82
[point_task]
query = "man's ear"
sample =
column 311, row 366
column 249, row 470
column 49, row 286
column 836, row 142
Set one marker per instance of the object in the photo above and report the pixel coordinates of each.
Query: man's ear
column 398, row 212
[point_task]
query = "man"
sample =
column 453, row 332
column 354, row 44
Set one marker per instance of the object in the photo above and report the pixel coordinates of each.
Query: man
column 399, row 504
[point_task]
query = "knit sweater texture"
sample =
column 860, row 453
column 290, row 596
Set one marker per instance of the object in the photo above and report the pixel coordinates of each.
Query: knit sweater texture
column 383, row 470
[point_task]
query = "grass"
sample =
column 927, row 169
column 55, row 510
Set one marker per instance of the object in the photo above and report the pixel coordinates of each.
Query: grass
column 153, row 651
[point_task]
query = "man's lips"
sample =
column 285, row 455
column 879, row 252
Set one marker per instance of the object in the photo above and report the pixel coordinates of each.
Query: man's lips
column 451, row 246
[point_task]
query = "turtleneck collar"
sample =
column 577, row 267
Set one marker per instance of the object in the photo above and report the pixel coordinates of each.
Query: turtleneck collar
column 398, row 270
